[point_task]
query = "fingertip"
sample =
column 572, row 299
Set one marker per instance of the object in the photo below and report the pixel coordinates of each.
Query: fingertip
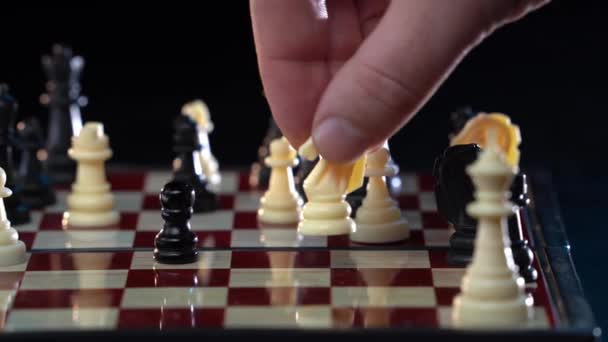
column 338, row 140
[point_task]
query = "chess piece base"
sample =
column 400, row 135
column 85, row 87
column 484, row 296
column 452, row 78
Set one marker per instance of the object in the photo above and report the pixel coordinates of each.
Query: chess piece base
column 274, row 216
column 90, row 220
column 175, row 249
column 461, row 246
column 326, row 218
column 483, row 313
column 13, row 254
column 381, row 233
column 326, row 227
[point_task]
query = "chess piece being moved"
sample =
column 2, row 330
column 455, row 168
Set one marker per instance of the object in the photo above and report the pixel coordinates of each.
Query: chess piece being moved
column 63, row 99
column 18, row 213
column 199, row 112
column 259, row 175
column 492, row 293
column 327, row 212
column 176, row 243
column 12, row 251
column 37, row 191
column 281, row 203
column 91, row 203
column 186, row 164
column 379, row 218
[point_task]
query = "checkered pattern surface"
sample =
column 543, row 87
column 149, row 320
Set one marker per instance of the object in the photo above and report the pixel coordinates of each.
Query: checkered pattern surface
column 85, row 279
column 234, row 225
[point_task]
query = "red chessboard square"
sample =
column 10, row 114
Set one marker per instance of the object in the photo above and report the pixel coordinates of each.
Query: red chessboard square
column 205, row 239
column 178, row 278
column 53, row 221
column 439, row 259
column 445, row 295
column 261, row 259
column 126, row 181
column 79, row 261
column 381, row 277
column 164, row 318
column 244, row 184
column 433, row 220
column 259, row 296
column 10, row 280
column 28, row 239
column 151, row 202
column 375, row 317
column 426, row 182
column 409, row 202
column 65, row 298
column 245, row 220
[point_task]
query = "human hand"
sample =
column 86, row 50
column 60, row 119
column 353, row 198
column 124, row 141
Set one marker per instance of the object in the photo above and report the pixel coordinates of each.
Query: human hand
column 352, row 72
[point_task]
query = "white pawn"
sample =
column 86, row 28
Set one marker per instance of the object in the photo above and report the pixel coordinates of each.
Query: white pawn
column 281, row 204
column 12, row 251
column 379, row 218
column 492, row 292
column 91, row 203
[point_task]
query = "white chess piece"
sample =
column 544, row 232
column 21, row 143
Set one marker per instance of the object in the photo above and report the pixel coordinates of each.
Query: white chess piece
column 326, row 186
column 199, row 112
column 281, row 204
column 492, row 292
column 12, row 250
column 379, row 219
column 91, row 203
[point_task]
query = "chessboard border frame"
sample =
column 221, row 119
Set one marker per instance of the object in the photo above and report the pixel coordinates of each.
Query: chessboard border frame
column 552, row 247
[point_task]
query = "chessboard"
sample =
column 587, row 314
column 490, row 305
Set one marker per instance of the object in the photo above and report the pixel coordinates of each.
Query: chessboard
column 254, row 279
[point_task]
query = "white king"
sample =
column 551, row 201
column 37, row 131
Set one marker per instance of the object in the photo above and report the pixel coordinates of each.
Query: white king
column 492, row 292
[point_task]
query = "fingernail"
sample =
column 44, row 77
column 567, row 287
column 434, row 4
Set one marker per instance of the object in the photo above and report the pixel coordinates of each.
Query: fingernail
column 338, row 139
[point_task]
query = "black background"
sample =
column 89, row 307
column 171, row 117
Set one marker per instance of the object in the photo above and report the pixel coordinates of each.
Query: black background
column 548, row 72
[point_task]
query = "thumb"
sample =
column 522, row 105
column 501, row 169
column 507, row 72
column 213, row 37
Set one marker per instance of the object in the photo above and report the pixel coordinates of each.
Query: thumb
column 397, row 68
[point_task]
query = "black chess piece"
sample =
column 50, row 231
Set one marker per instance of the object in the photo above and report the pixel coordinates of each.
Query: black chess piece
column 64, row 101
column 187, row 146
column 259, row 175
column 36, row 190
column 453, row 192
column 520, row 247
column 176, row 243
column 17, row 212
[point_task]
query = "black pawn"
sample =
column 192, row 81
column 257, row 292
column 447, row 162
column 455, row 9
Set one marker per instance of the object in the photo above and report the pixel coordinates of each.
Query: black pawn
column 176, row 243
column 522, row 254
column 453, row 192
column 36, row 190
column 17, row 212
column 63, row 71
column 186, row 143
column 259, row 175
